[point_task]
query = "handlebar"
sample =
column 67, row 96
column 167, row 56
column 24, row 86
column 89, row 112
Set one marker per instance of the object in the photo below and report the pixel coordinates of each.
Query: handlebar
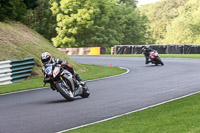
column 53, row 64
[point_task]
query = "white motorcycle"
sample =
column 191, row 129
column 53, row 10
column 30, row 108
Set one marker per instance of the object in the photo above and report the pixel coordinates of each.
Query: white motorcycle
column 62, row 81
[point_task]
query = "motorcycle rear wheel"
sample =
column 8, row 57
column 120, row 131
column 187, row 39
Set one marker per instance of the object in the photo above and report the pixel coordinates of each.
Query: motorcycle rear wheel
column 86, row 92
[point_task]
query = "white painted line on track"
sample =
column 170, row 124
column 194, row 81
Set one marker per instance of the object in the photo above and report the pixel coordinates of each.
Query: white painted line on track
column 129, row 112
column 24, row 91
column 127, row 71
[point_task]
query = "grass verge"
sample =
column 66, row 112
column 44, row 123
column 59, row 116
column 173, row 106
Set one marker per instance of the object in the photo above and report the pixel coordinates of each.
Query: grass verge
column 92, row 72
column 180, row 116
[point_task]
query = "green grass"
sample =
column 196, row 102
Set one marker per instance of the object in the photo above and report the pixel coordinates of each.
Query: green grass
column 92, row 72
column 180, row 116
column 195, row 56
column 95, row 72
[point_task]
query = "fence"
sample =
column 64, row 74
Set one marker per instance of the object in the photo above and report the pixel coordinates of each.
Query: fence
column 15, row 70
column 162, row 49
column 83, row 51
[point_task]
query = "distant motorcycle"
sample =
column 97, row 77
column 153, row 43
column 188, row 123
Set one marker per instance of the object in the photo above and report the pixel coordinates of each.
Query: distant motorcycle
column 62, row 81
column 155, row 58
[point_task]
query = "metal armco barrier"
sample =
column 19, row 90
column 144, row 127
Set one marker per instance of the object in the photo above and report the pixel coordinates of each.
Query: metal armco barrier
column 162, row 49
column 15, row 70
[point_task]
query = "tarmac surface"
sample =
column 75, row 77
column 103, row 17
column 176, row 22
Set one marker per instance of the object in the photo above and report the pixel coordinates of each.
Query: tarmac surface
column 45, row 111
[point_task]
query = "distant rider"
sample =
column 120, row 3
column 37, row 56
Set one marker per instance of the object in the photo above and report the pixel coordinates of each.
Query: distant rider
column 47, row 59
column 146, row 51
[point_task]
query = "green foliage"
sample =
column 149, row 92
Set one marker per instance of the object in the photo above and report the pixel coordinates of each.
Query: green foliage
column 194, row 26
column 34, row 13
column 173, row 34
column 81, row 23
column 31, row 4
column 73, row 20
column 174, row 21
column 41, row 19
column 130, row 2
column 12, row 9
column 98, row 23
column 107, row 28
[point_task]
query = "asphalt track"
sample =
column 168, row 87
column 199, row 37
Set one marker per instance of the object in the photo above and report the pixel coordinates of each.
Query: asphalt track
column 45, row 111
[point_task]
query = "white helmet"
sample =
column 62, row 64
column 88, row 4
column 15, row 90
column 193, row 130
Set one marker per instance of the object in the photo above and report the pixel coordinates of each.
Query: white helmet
column 46, row 58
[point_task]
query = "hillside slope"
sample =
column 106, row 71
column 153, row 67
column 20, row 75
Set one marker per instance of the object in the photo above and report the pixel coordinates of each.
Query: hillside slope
column 174, row 21
column 17, row 41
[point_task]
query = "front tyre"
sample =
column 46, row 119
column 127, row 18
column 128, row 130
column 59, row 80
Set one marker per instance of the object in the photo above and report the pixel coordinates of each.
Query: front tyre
column 86, row 92
column 65, row 91
column 160, row 62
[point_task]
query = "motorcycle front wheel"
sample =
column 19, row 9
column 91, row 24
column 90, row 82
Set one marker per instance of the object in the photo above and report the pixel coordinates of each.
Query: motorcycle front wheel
column 65, row 91
column 160, row 62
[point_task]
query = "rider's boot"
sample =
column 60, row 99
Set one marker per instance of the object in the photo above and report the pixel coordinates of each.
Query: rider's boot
column 79, row 79
column 147, row 61
column 52, row 87
column 76, row 83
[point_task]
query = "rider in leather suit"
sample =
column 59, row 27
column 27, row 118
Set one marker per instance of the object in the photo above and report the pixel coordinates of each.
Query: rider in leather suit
column 47, row 59
column 146, row 52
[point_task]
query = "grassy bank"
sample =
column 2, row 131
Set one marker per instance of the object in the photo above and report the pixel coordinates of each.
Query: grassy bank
column 180, row 116
column 18, row 41
column 92, row 72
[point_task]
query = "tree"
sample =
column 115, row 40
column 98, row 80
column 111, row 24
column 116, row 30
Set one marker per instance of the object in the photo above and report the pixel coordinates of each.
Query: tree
column 119, row 24
column 183, row 34
column 12, row 9
column 160, row 16
column 98, row 23
column 73, row 19
column 31, row 4
column 40, row 18
column 108, row 24
column 132, row 3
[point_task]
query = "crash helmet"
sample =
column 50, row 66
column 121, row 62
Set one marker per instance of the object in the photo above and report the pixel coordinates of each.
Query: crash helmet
column 46, row 58
column 145, row 48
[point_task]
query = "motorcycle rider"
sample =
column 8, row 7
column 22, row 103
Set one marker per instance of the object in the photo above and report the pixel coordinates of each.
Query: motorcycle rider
column 146, row 51
column 47, row 59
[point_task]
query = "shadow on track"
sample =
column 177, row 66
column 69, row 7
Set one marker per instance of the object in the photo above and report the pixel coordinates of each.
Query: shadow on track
column 62, row 101
column 154, row 66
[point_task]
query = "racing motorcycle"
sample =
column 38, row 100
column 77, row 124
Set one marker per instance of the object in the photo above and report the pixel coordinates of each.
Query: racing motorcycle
column 63, row 81
column 155, row 58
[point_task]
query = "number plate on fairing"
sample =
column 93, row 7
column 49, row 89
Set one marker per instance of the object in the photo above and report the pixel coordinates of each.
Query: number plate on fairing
column 56, row 71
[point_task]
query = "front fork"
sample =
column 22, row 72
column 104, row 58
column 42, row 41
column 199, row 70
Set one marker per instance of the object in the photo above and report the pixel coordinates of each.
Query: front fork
column 53, row 84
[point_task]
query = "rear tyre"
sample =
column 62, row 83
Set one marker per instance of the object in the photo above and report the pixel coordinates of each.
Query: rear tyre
column 65, row 91
column 86, row 92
